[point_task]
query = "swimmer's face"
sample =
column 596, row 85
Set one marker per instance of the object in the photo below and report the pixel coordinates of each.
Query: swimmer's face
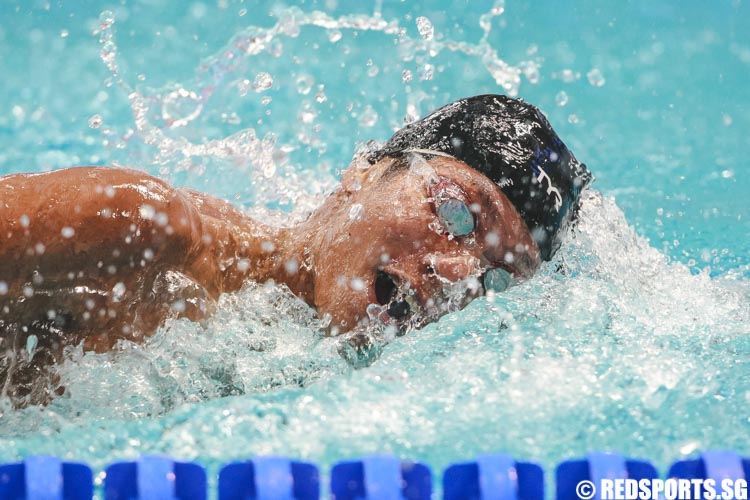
column 407, row 240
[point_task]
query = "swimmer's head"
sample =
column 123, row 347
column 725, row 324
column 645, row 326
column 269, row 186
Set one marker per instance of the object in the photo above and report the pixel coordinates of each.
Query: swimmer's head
column 469, row 199
column 513, row 144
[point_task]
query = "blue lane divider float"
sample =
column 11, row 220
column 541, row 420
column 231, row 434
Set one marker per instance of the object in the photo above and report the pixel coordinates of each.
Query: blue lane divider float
column 155, row 478
column 381, row 478
column 594, row 468
column 717, row 465
column 46, row 478
column 494, row 477
column 269, row 478
column 489, row 477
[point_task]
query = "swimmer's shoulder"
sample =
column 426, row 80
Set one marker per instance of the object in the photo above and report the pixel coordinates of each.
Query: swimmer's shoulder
column 101, row 206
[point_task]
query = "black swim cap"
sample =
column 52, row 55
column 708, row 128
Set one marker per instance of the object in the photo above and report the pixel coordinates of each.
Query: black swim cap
column 512, row 143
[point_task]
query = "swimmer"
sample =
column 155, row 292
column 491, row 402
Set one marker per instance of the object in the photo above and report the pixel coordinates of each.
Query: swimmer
column 473, row 196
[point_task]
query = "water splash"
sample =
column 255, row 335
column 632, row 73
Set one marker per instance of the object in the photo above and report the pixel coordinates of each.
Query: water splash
column 159, row 112
column 610, row 346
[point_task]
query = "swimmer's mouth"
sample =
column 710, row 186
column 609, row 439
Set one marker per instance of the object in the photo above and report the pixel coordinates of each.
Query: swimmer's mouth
column 402, row 307
column 396, row 300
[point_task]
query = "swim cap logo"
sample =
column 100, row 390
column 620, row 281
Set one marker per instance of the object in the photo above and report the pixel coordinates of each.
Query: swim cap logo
column 540, row 178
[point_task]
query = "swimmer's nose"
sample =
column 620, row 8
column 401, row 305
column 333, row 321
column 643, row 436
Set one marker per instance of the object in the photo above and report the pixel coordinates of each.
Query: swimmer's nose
column 453, row 268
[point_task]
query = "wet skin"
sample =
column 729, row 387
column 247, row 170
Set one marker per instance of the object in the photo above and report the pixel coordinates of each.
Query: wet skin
column 96, row 255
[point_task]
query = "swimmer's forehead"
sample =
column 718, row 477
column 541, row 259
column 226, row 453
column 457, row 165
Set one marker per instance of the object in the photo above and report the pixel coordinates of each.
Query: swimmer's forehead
column 430, row 165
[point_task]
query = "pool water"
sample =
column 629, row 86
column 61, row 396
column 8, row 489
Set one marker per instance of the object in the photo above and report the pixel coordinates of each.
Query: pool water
column 634, row 338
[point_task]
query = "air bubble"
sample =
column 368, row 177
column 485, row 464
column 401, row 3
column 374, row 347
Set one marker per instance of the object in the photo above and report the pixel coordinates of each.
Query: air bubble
column 561, row 98
column 67, row 232
column 406, row 76
column 334, row 36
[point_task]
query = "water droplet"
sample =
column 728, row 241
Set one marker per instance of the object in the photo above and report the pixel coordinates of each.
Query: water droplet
column 106, row 19
column 356, row 212
column 291, row 266
column 427, row 72
column 268, row 246
column 304, row 84
column 492, row 239
column 231, row 118
column 147, row 212
column 369, row 117
column 406, row 76
column 31, row 343
column 357, row 284
column 561, row 98
column 372, row 69
column 263, row 82
column 67, row 232
column 531, row 72
column 269, row 169
column 568, row 76
column 95, row 121
column 425, row 28
column 596, row 78
column 118, row 291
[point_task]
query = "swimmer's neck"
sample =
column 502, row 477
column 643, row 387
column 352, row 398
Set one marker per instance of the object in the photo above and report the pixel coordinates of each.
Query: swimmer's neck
column 236, row 248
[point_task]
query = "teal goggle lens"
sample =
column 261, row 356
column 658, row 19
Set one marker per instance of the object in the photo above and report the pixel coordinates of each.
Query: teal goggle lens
column 456, row 217
column 497, row 280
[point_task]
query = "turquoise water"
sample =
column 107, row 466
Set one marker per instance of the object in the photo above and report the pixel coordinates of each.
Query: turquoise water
column 641, row 345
